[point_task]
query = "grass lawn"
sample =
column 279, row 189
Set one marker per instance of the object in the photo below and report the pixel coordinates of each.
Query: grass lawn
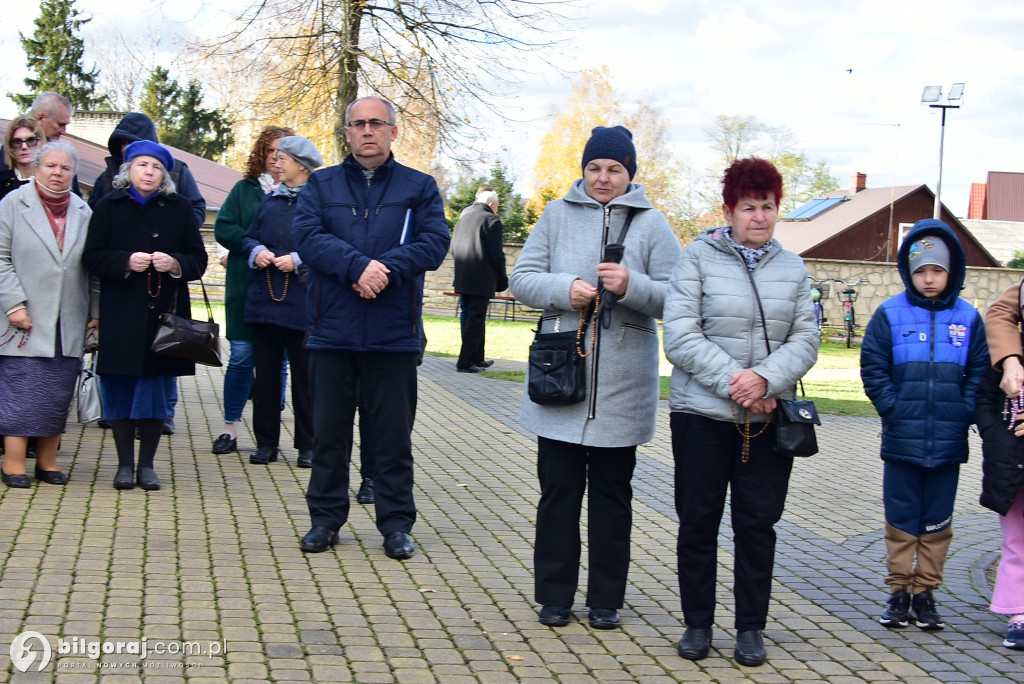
column 834, row 382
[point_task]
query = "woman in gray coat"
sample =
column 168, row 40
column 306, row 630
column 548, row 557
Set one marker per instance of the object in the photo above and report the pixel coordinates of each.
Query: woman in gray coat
column 594, row 442
column 724, row 390
column 44, row 293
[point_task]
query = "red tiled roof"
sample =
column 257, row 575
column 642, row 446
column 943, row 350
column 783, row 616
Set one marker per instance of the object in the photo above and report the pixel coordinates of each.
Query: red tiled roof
column 976, row 207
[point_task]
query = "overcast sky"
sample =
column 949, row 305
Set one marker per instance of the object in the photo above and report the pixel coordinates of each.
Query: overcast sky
column 840, row 75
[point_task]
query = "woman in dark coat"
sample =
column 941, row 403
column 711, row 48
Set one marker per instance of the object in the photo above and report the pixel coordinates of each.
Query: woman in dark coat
column 144, row 245
column 275, row 306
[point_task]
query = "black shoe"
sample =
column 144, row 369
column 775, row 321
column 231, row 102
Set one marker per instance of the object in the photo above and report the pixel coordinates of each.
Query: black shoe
column 225, row 444
column 105, row 424
column 365, row 493
column 305, row 459
column 398, row 545
column 604, row 618
column 124, row 478
column 750, row 648
column 168, row 426
column 553, row 616
column 22, row 481
column 695, row 644
column 485, row 364
column 263, row 455
column 319, row 539
column 897, row 610
column 147, row 479
column 925, row 615
column 54, row 477
column 471, row 369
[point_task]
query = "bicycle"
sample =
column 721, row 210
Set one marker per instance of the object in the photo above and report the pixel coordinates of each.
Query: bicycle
column 819, row 292
column 848, row 296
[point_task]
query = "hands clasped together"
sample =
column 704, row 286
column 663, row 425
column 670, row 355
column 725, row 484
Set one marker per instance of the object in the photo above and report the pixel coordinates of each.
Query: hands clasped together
column 160, row 261
column 373, row 280
column 265, row 258
column 747, row 389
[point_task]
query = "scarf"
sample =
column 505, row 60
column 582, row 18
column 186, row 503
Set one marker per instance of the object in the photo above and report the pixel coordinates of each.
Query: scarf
column 290, row 192
column 266, row 182
column 56, row 206
column 137, row 196
column 750, row 255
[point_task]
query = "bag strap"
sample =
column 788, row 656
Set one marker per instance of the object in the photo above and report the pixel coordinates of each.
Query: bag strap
column 628, row 223
column 206, row 298
column 764, row 326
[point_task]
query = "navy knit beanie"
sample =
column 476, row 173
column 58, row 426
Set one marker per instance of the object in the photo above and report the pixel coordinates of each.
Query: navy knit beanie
column 615, row 142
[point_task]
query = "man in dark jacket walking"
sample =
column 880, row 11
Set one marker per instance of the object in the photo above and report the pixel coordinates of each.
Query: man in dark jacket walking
column 479, row 256
column 368, row 228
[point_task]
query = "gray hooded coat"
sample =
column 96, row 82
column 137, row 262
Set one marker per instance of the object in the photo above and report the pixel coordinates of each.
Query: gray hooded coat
column 713, row 326
column 566, row 244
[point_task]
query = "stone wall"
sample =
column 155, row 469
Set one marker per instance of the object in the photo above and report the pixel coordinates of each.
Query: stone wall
column 981, row 287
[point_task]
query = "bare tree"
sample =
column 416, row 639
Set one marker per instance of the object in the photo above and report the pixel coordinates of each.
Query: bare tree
column 439, row 61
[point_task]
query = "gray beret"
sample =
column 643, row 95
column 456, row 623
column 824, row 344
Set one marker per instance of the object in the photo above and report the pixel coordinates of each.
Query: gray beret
column 301, row 150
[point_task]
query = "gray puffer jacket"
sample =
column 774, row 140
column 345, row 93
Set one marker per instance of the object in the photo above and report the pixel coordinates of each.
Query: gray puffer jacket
column 713, row 327
column 567, row 244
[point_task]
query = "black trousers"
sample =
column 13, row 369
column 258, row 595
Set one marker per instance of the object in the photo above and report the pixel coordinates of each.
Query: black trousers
column 474, row 324
column 269, row 343
column 708, row 462
column 385, row 385
column 565, row 471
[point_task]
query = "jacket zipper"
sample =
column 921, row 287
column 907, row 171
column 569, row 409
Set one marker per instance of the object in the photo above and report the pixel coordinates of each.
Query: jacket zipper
column 592, row 409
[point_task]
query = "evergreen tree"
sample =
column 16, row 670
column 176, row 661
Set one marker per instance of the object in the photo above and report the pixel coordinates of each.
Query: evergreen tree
column 55, row 55
column 516, row 217
column 180, row 118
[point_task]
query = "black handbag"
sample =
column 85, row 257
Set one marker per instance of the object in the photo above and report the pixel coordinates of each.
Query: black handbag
column 794, row 419
column 186, row 338
column 794, row 427
column 557, row 371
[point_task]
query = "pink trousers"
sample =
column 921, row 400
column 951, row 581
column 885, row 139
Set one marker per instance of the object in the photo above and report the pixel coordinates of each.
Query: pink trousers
column 1008, row 595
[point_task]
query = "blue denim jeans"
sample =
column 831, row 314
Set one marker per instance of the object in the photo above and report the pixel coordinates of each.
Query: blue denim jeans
column 238, row 379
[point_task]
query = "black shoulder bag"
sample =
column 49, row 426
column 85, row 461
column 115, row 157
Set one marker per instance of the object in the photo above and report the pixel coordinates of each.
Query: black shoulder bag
column 557, row 374
column 794, row 419
column 185, row 338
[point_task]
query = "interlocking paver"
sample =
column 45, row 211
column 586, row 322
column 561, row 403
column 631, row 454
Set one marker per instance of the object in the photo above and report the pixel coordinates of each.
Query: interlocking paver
column 213, row 557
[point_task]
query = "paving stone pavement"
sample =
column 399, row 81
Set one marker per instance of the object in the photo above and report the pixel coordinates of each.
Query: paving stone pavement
column 213, row 559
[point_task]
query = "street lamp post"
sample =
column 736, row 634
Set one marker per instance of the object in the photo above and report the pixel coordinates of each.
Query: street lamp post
column 932, row 96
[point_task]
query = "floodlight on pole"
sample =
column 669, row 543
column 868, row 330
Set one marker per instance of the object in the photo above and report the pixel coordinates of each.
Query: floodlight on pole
column 932, row 96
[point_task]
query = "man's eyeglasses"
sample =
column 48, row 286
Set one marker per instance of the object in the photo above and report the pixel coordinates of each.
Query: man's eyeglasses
column 24, row 142
column 374, row 124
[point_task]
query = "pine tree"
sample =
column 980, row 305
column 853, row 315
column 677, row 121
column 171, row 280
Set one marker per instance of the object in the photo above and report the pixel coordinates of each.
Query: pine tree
column 517, row 218
column 180, row 118
column 55, row 55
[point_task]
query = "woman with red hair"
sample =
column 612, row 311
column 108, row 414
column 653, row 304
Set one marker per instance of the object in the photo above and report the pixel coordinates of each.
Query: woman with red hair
column 740, row 331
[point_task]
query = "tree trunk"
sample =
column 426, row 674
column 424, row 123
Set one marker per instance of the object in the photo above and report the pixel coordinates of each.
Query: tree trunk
column 348, row 69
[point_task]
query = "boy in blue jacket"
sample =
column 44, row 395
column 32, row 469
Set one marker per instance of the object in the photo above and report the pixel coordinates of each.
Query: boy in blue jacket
column 923, row 356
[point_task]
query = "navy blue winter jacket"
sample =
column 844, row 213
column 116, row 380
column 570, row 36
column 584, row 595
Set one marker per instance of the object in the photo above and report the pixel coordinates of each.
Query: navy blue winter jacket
column 341, row 223
column 274, row 305
column 921, row 363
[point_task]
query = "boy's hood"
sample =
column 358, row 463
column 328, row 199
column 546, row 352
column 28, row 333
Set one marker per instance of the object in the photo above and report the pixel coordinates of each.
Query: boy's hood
column 957, row 266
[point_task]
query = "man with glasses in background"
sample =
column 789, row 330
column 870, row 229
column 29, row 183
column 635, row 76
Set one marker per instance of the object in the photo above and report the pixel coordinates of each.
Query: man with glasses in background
column 368, row 228
column 53, row 112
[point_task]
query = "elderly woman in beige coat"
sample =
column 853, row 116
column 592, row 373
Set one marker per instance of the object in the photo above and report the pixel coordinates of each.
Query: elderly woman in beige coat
column 45, row 296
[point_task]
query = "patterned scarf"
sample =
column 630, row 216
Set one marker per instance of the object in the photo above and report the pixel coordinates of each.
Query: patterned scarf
column 291, row 192
column 750, row 255
column 56, row 206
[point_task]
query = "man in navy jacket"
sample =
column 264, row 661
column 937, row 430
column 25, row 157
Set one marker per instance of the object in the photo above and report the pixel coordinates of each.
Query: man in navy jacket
column 368, row 228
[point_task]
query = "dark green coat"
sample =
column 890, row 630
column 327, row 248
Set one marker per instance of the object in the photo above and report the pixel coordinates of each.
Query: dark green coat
column 233, row 220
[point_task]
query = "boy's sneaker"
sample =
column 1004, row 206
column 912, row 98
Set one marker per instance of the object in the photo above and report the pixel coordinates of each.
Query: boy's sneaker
column 896, row 612
column 1015, row 636
column 927, row 617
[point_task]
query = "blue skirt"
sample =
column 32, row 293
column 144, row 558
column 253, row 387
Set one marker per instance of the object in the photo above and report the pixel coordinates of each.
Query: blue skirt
column 35, row 394
column 127, row 396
